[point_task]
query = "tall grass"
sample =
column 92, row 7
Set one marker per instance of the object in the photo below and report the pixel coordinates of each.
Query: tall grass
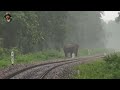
column 106, row 68
column 85, row 52
column 5, row 59
column 38, row 56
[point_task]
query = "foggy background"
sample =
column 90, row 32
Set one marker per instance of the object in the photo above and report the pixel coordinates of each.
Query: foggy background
column 33, row 31
column 112, row 29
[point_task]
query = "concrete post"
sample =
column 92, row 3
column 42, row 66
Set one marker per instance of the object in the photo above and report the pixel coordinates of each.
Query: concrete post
column 12, row 57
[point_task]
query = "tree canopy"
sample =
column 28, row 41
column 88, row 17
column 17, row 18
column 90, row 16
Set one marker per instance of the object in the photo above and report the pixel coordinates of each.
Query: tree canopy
column 32, row 31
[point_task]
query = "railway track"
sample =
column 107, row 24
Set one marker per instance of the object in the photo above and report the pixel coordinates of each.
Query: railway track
column 52, row 66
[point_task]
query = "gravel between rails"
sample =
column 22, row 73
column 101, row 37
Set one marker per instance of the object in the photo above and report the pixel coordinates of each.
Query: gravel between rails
column 12, row 69
column 35, row 72
column 17, row 67
column 65, row 71
column 62, row 72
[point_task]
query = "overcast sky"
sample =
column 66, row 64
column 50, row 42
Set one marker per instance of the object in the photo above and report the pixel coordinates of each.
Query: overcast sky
column 110, row 15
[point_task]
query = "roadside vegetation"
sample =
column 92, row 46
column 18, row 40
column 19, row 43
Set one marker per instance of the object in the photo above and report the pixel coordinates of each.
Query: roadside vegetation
column 106, row 68
column 40, row 35
column 5, row 58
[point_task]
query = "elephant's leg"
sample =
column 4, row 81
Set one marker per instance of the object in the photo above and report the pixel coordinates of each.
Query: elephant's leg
column 76, row 53
column 65, row 54
column 71, row 54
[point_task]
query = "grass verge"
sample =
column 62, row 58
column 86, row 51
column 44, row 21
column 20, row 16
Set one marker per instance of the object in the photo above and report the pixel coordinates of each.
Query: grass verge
column 106, row 68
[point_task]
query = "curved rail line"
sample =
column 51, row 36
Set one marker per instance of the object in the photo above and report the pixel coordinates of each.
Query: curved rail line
column 81, row 61
column 46, row 72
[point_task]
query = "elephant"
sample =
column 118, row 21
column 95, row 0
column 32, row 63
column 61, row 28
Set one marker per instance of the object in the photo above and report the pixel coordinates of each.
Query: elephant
column 71, row 49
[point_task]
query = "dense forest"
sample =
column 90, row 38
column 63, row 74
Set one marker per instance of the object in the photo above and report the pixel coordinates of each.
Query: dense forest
column 33, row 31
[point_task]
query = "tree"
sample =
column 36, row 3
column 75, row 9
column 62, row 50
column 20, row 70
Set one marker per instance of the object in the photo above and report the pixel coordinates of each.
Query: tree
column 34, row 30
column 85, row 28
column 117, row 19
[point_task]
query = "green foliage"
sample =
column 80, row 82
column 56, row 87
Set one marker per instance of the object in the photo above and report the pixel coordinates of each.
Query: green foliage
column 16, row 50
column 5, row 63
column 31, row 57
column 92, row 70
column 84, row 52
column 117, row 19
column 113, row 61
column 32, row 31
column 108, row 68
column 4, row 53
column 86, row 29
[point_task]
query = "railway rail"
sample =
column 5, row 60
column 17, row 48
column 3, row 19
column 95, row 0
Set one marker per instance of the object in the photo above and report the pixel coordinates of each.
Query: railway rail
column 52, row 66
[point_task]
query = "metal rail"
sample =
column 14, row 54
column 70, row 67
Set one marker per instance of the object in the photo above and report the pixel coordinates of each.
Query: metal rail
column 46, row 72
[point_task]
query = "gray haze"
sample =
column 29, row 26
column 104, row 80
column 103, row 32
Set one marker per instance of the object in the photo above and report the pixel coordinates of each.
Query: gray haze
column 85, row 28
column 112, row 30
column 42, row 30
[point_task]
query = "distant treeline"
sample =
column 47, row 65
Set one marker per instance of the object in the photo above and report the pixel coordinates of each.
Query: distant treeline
column 32, row 31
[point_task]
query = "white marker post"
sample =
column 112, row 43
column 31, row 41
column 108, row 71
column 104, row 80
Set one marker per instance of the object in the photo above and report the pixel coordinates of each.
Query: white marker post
column 73, row 55
column 12, row 57
column 78, row 72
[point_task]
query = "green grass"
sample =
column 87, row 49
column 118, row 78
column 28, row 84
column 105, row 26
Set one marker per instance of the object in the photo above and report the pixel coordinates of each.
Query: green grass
column 31, row 57
column 37, row 57
column 107, row 68
column 5, row 62
column 84, row 52
column 93, row 70
column 40, row 56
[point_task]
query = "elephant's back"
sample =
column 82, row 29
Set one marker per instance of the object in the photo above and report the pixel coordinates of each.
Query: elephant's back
column 68, row 45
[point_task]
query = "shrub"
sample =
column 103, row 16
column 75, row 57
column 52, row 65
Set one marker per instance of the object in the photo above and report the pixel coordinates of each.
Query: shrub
column 16, row 50
column 3, row 53
column 113, row 61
